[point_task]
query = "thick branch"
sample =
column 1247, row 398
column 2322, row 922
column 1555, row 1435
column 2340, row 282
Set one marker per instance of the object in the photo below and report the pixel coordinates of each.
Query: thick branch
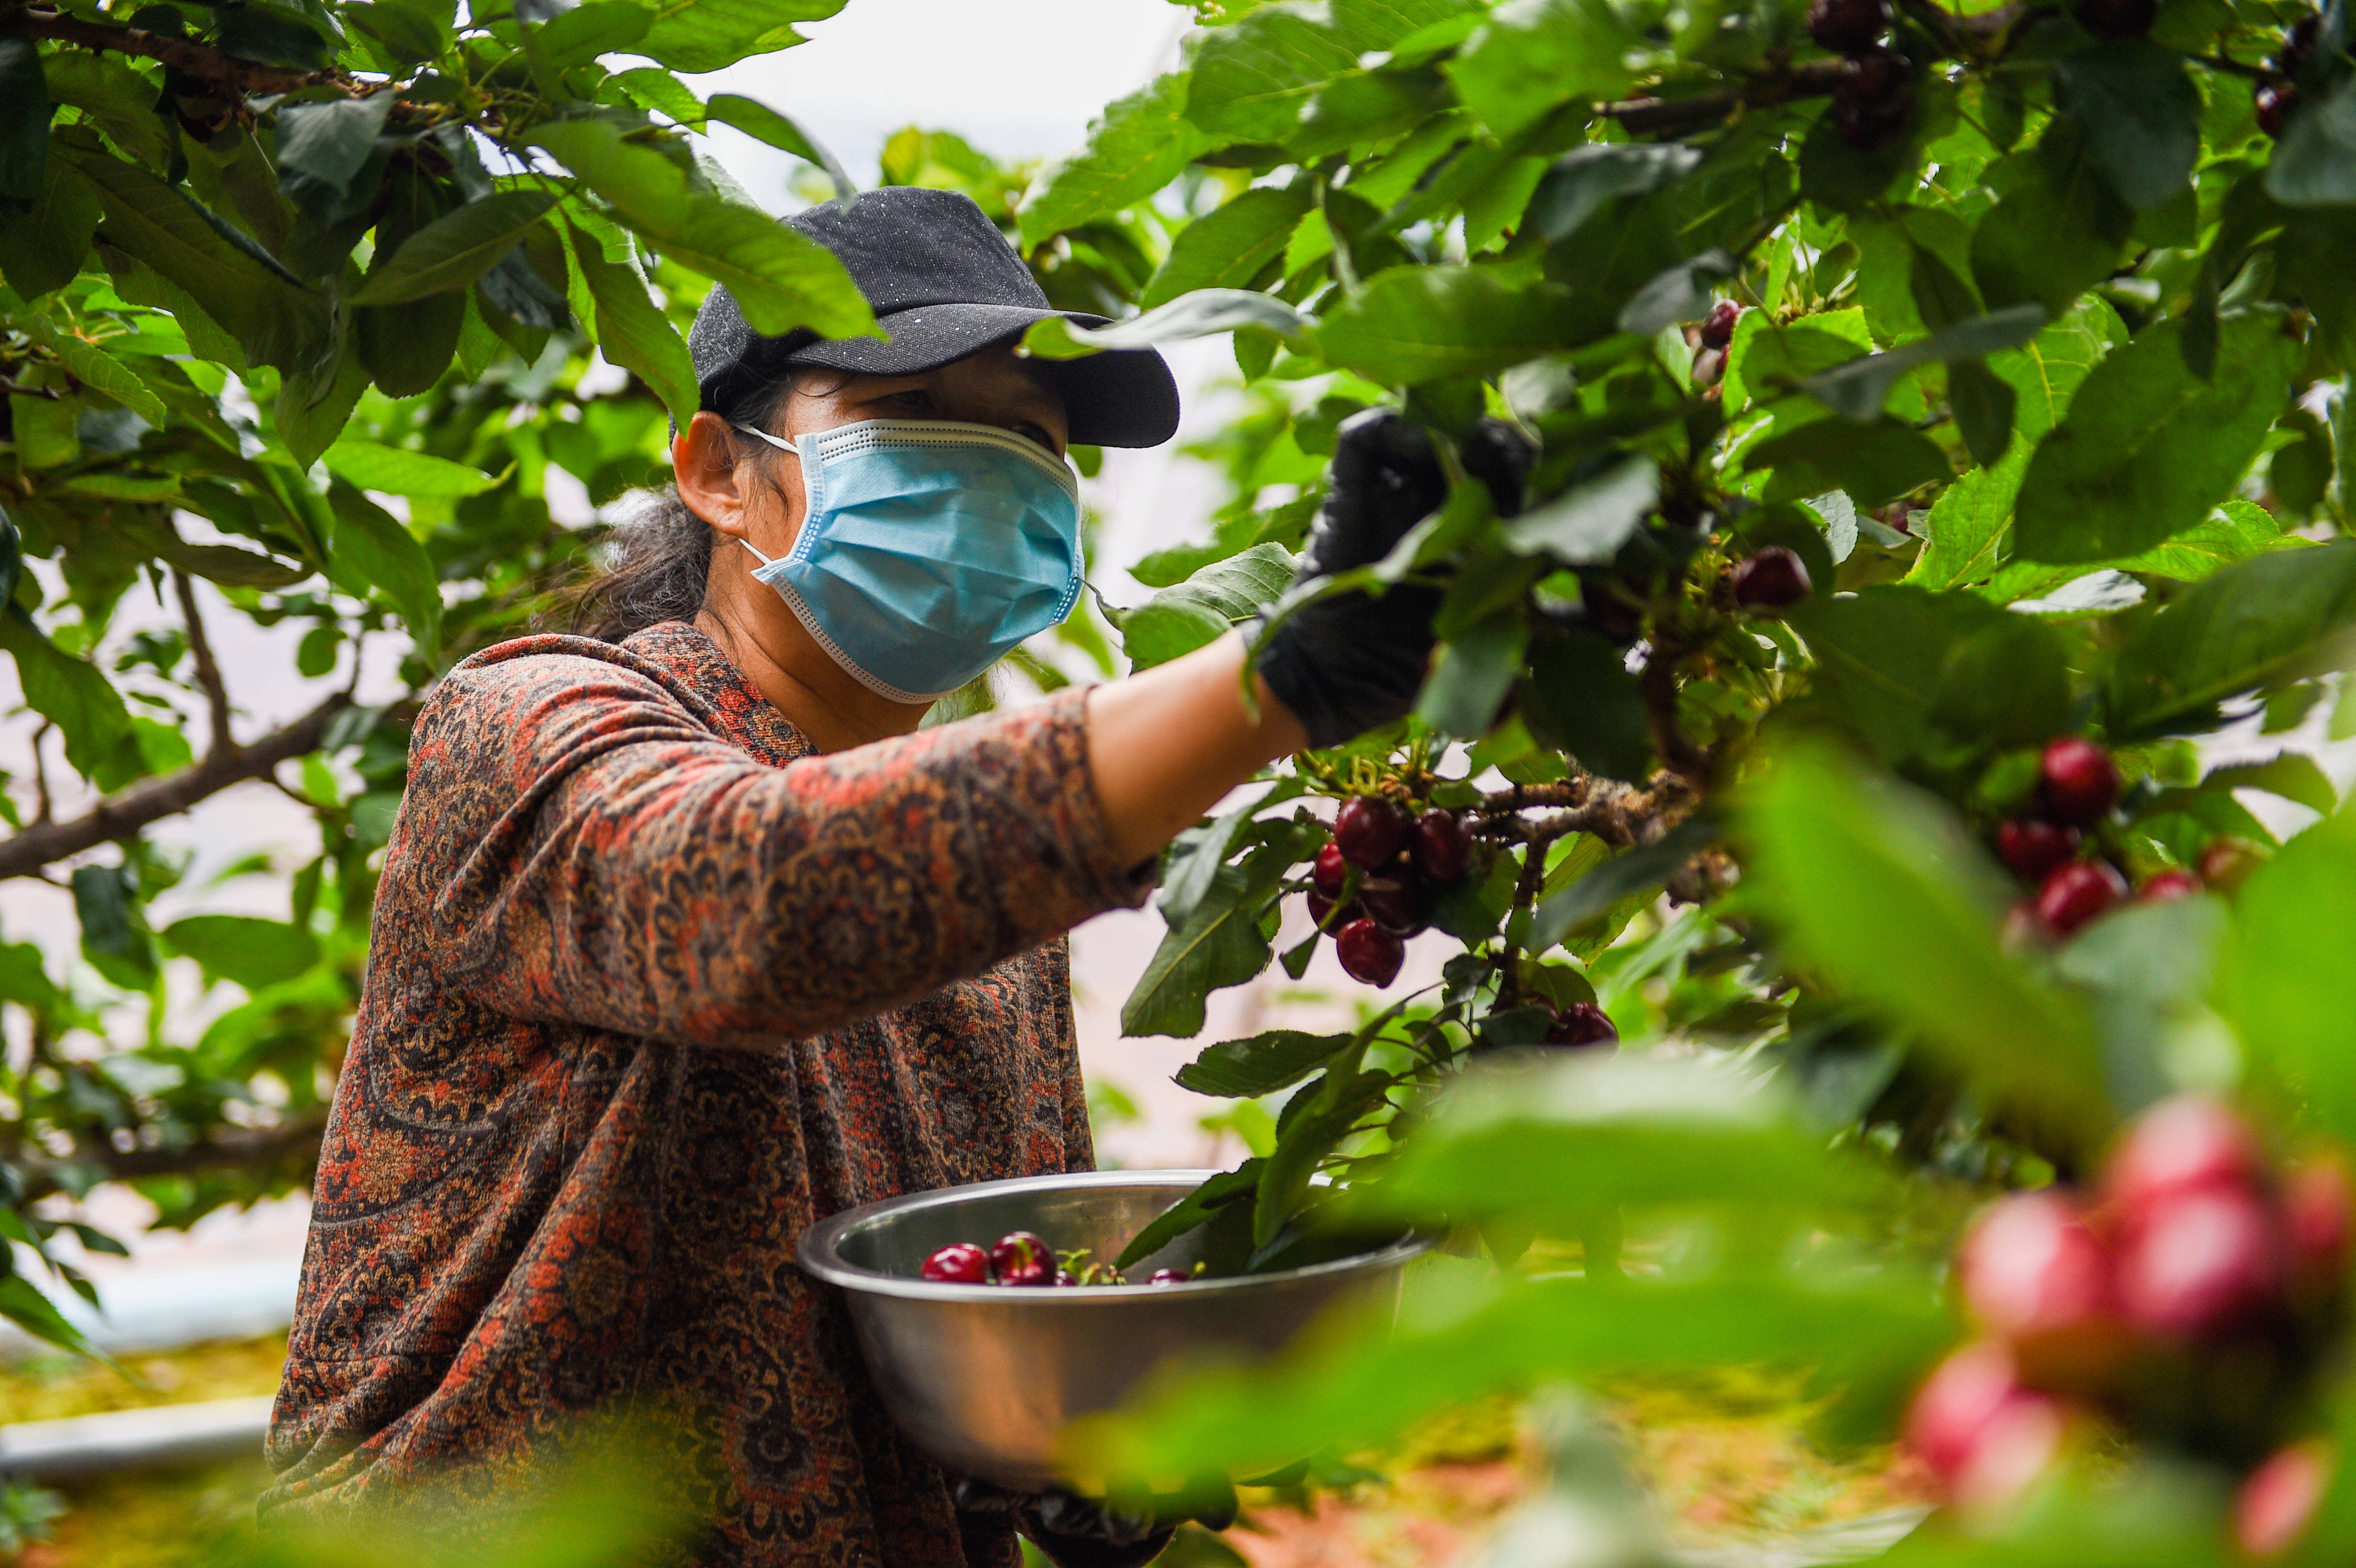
column 229, row 1148
column 242, row 76
column 209, row 674
column 124, row 814
column 1812, row 79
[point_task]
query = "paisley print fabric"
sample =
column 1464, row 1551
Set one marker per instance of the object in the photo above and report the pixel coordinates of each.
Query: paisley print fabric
column 652, row 986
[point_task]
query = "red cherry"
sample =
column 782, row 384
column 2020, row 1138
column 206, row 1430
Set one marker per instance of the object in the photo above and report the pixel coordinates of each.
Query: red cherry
column 2187, row 1144
column 2162, row 886
column 1022, row 1258
column 1771, row 580
column 2198, row 1261
column 2319, row 1219
column 1873, row 98
column 1845, row 26
column 1399, row 905
column 1582, row 1023
column 1610, row 614
column 1708, row 368
column 1443, row 847
column 1977, row 1430
column 1321, row 911
column 1169, row 1276
column 1717, row 327
column 1328, row 872
column 2271, row 101
column 1065, row 1279
column 1368, row 953
column 2080, row 780
column 2117, row 18
column 2275, row 1505
column 2227, row 862
column 2076, row 894
column 2031, row 1266
column 1370, row 832
column 2033, row 847
column 959, row 1262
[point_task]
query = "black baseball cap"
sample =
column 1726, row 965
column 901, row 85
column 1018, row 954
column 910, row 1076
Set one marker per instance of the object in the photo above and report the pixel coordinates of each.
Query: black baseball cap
column 945, row 284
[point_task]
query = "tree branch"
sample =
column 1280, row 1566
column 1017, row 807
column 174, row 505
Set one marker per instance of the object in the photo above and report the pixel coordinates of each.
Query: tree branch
column 1812, row 79
column 121, row 815
column 209, row 674
column 240, row 77
column 229, row 1148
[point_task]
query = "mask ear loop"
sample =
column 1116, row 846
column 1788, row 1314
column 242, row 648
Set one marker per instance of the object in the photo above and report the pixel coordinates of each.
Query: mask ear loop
column 782, row 444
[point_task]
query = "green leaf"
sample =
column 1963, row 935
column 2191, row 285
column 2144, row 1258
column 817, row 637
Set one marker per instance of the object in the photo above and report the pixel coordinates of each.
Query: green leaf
column 42, row 251
column 1202, row 609
column 1198, row 314
column 272, row 35
column 71, row 693
column 1983, row 404
column 1317, row 1119
column 1579, row 184
column 372, row 549
column 2056, row 233
column 1369, row 25
column 1881, row 891
column 1475, row 670
column 780, row 280
column 1218, row 944
column 97, row 370
column 2147, row 448
column 410, row 35
column 2273, row 618
column 1875, row 463
column 1679, row 293
column 253, row 953
column 113, row 936
column 323, row 147
column 633, row 333
column 1190, row 1212
column 1856, row 390
column 1252, row 77
column 704, row 35
column 1229, row 248
column 577, row 37
column 1637, row 870
column 1767, row 358
column 25, row 110
column 2284, row 977
column 1411, row 325
column 2315, row 162
column 1921, row 676
column 1587, row 524
column 1579, row 698
column 400, row 472
column 2138, row 115
column 455, row 249
column 1247, row 1069
column 117, row 99
column 1136, row 147
column 36, row 1315
column 312, row 409
column 660, row 92
column 1533, row 56
column 764, row 123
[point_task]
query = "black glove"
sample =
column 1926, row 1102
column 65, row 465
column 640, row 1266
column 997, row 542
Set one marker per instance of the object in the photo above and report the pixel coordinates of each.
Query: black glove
column 1088, row 1532
column 1354, row 662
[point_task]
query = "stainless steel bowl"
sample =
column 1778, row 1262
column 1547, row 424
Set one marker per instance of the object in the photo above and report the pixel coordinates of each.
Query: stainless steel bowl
column 985, row 1379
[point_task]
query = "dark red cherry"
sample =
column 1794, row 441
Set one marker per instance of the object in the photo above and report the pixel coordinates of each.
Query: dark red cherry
column 1321, row 910
column 2080, row 781
column 2076, row 893
column 1328, row 872
column 1873, row 98
column 1399, row 904
column 1370, row 832
column 2272, row 102
column 2162, row 886
column 1717, row 327
column 2033, row 847
column 1443, row 847
column 1845, row 26
column 1774, row 578
column 959, row 1262
column 1608, row 612
column 2117, row 18
column 2198, row 1263
column 1582, row 1023
column 1368, row 953
column 2298, row 44
column 1022, row 1258
column 1169, row 1276
column 2189, row 1143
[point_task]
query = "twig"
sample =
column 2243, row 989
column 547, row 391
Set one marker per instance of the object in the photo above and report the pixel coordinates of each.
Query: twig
column 209, row 674
column 243, row 1148
column 240, row 77
column 1812, row 78
column 18, row 389
column 41, row 775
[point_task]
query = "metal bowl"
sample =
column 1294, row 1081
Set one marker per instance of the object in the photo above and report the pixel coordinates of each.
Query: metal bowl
column 985, row 1379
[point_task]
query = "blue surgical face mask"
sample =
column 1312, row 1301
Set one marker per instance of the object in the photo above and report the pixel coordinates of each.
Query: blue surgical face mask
column 931, row 549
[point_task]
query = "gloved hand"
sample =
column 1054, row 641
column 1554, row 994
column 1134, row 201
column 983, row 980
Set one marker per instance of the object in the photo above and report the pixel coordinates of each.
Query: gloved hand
column 1354, row 662
column 1088, row 1532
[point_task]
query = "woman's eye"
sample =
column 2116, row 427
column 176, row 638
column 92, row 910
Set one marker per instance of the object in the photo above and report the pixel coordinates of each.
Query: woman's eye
column 1037, row 433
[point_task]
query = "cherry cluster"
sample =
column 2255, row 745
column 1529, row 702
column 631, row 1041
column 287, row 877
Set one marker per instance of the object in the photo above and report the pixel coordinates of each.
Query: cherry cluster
column 1373, row 884
column 1021, row 1259
column 1876, row 92
column 2271, row 100
column 2187, row 1300
column 2077, row 787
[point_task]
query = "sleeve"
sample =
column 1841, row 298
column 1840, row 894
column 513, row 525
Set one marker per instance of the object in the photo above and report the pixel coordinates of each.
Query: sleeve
column 593, row 854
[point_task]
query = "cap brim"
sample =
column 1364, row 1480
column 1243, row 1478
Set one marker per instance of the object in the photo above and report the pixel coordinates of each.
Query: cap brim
column 1122, row 397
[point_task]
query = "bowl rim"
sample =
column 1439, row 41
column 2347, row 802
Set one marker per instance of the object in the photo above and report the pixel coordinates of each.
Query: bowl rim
column 817, row 1254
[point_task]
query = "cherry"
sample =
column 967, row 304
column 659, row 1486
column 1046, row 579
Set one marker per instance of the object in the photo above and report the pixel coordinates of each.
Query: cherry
column 1329, row 872
column 2033, row 847
column 1065, row 1279
column 2079, row 780
column 1846, row 26
column 1977, row 1430
column 2271, row 101
column 1368, row 953
column 1370, row 832
column 1443, row 847
column 2117, row 18
column 2162, row 886
column 1717, row 327
column 1618, row 620
column 1582, row 1023
column 2298, row 44
column 1873, row 98
column 1708, row 368
column 2031, row 1266
column 1321, row 911
column 959, row 1262
column 2319, row 1216
column 2188, row 1144
column 2275, row 1504
column 1399, row 904
column 2198, row 1261
column 2076, row 893
column 2226, row 862
column 1771, row 580
column 1169, row 1276
column 1022, row 1258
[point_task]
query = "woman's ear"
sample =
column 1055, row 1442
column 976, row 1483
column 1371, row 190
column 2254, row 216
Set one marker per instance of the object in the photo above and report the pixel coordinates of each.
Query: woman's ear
column 704, row 460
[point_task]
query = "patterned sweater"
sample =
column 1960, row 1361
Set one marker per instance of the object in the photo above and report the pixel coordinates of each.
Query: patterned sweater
column 651, row 988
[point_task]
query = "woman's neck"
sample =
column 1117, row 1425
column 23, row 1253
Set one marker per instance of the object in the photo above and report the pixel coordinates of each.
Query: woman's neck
column 817, row 696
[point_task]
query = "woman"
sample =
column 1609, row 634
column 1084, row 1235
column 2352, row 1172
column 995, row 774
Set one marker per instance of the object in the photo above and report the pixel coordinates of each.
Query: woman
column 687, row 937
